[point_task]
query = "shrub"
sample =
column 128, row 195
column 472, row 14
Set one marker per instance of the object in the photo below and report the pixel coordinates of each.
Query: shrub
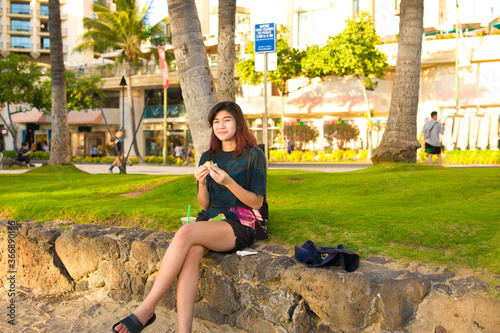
column 170, row 159
column 40, row 155
column 87, row 159
column 278, row 155
column 350, row 155
column 362, row 155
column 77, row 159
column 10, row 154
column 106, row 159
column 134, row 160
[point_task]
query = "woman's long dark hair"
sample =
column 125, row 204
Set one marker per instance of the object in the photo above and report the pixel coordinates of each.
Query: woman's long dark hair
column 244, row 137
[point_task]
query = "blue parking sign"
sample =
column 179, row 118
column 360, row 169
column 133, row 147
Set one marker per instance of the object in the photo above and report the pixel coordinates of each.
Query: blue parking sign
column 265, row 38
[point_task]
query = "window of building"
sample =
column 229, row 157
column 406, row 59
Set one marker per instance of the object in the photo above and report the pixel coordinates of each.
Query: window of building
column 44, row 10
column 312, row 29
column 243, row 21
column 44, row 26
column 45, row 43
column 20, row 25
column 20, row 42
column 355, row 7
column 20, row 8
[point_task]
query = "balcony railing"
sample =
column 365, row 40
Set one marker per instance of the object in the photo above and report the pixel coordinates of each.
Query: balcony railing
column 112, row 70
column 45, row 13
column 45, row 47
column 19, row 11
column 19, row 28
column 26, row 46
column 47, row 30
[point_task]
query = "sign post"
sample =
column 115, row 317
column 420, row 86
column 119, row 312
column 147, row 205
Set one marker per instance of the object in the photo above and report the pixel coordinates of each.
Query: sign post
column 265, row 42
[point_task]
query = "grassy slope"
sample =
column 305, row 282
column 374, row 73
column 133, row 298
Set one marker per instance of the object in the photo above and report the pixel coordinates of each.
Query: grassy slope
column 445, row 216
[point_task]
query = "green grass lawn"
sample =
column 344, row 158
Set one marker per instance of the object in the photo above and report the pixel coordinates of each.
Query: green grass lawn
column 443, row 216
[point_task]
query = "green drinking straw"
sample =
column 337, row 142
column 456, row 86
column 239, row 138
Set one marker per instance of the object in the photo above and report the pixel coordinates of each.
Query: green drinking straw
column 189, row 212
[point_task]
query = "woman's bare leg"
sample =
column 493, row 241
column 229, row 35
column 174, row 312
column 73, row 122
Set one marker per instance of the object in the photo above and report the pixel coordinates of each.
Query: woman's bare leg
column 187, row 286
column 214, row 235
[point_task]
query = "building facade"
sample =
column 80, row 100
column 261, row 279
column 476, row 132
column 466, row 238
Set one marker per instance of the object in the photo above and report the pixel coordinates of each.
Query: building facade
column 474, row 124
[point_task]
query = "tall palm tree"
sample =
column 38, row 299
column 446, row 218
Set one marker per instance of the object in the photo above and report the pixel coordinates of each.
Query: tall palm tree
column 122, row 29
column 225, row 50
column 60, row 143
column 195, row 77
column 399, row 142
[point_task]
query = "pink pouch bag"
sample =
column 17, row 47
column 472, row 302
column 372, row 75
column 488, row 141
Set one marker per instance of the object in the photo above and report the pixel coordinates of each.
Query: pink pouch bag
column 247, row 216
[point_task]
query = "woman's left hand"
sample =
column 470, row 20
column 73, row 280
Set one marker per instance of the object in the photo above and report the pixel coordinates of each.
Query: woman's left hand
column 219, row 175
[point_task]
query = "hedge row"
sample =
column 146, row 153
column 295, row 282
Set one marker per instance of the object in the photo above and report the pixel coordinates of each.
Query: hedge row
column 466, row 157
column 455, row 157
column 309, row 156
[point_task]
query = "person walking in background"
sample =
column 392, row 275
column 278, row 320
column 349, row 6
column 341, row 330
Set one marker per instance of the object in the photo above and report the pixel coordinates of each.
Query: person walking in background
column 78, row 152
column 23, row 155
column 45, row 146
column 232, row 173
column 189, row 154
column 117, row 143
column 94, row 152
column 178, row 151
column 431, row 131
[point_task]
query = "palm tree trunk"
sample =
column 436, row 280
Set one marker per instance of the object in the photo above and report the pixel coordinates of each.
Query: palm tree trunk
column 399, row 142
column 196, row 80
column 225, row 51
column 132, row 111
column 60, row 144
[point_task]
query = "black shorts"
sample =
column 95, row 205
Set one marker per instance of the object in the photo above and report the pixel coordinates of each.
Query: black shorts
column 245, row 236
column 433, row 150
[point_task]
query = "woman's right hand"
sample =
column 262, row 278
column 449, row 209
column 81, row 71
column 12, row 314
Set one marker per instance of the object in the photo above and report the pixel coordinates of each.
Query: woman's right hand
column 201, row 174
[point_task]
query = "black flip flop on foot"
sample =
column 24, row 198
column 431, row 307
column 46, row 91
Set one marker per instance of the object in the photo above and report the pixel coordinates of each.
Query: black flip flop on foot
column 133, row 324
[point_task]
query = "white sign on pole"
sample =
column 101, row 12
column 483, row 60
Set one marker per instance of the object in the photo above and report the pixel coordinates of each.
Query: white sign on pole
column 272, row 61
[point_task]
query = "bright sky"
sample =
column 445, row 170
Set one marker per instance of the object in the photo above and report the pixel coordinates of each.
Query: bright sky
column 159, row 9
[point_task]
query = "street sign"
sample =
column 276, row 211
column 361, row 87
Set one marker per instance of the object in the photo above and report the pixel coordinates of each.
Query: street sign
column 265, row 38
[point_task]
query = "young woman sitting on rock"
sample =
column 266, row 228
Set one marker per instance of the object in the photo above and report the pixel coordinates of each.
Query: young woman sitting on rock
column 232, row 173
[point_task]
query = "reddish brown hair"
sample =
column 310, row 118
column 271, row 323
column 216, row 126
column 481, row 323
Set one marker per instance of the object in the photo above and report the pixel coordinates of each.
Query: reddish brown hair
column 244, row 137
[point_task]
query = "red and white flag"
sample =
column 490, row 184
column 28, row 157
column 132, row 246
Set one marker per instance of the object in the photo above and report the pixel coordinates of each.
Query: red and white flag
column 163, row 65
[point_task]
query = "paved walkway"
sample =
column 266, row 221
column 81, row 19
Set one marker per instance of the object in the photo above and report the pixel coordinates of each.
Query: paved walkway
column 148, row 169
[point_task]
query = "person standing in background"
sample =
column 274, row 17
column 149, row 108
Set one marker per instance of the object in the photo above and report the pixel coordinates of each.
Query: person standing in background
column 117, row 142
column 431, row 131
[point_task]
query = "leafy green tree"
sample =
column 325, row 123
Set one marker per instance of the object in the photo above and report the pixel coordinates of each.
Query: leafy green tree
column 399, row 142
column 289, row 67
column 301, row 134
column 79, row 92
column 18, row 89
column 353, row 52
column 342, row 132
column 123, row 29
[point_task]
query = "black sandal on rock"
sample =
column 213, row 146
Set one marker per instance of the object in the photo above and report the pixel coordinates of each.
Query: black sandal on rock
column 133, row 324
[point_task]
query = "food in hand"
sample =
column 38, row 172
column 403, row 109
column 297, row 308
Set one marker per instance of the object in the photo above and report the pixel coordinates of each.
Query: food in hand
column 208, row 163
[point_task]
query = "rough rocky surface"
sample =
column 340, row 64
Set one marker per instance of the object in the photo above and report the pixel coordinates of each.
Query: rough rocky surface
column 267, row 292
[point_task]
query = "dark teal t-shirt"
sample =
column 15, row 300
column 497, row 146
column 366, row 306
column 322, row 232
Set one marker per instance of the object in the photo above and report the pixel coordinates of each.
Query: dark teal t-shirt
column 221, row 198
